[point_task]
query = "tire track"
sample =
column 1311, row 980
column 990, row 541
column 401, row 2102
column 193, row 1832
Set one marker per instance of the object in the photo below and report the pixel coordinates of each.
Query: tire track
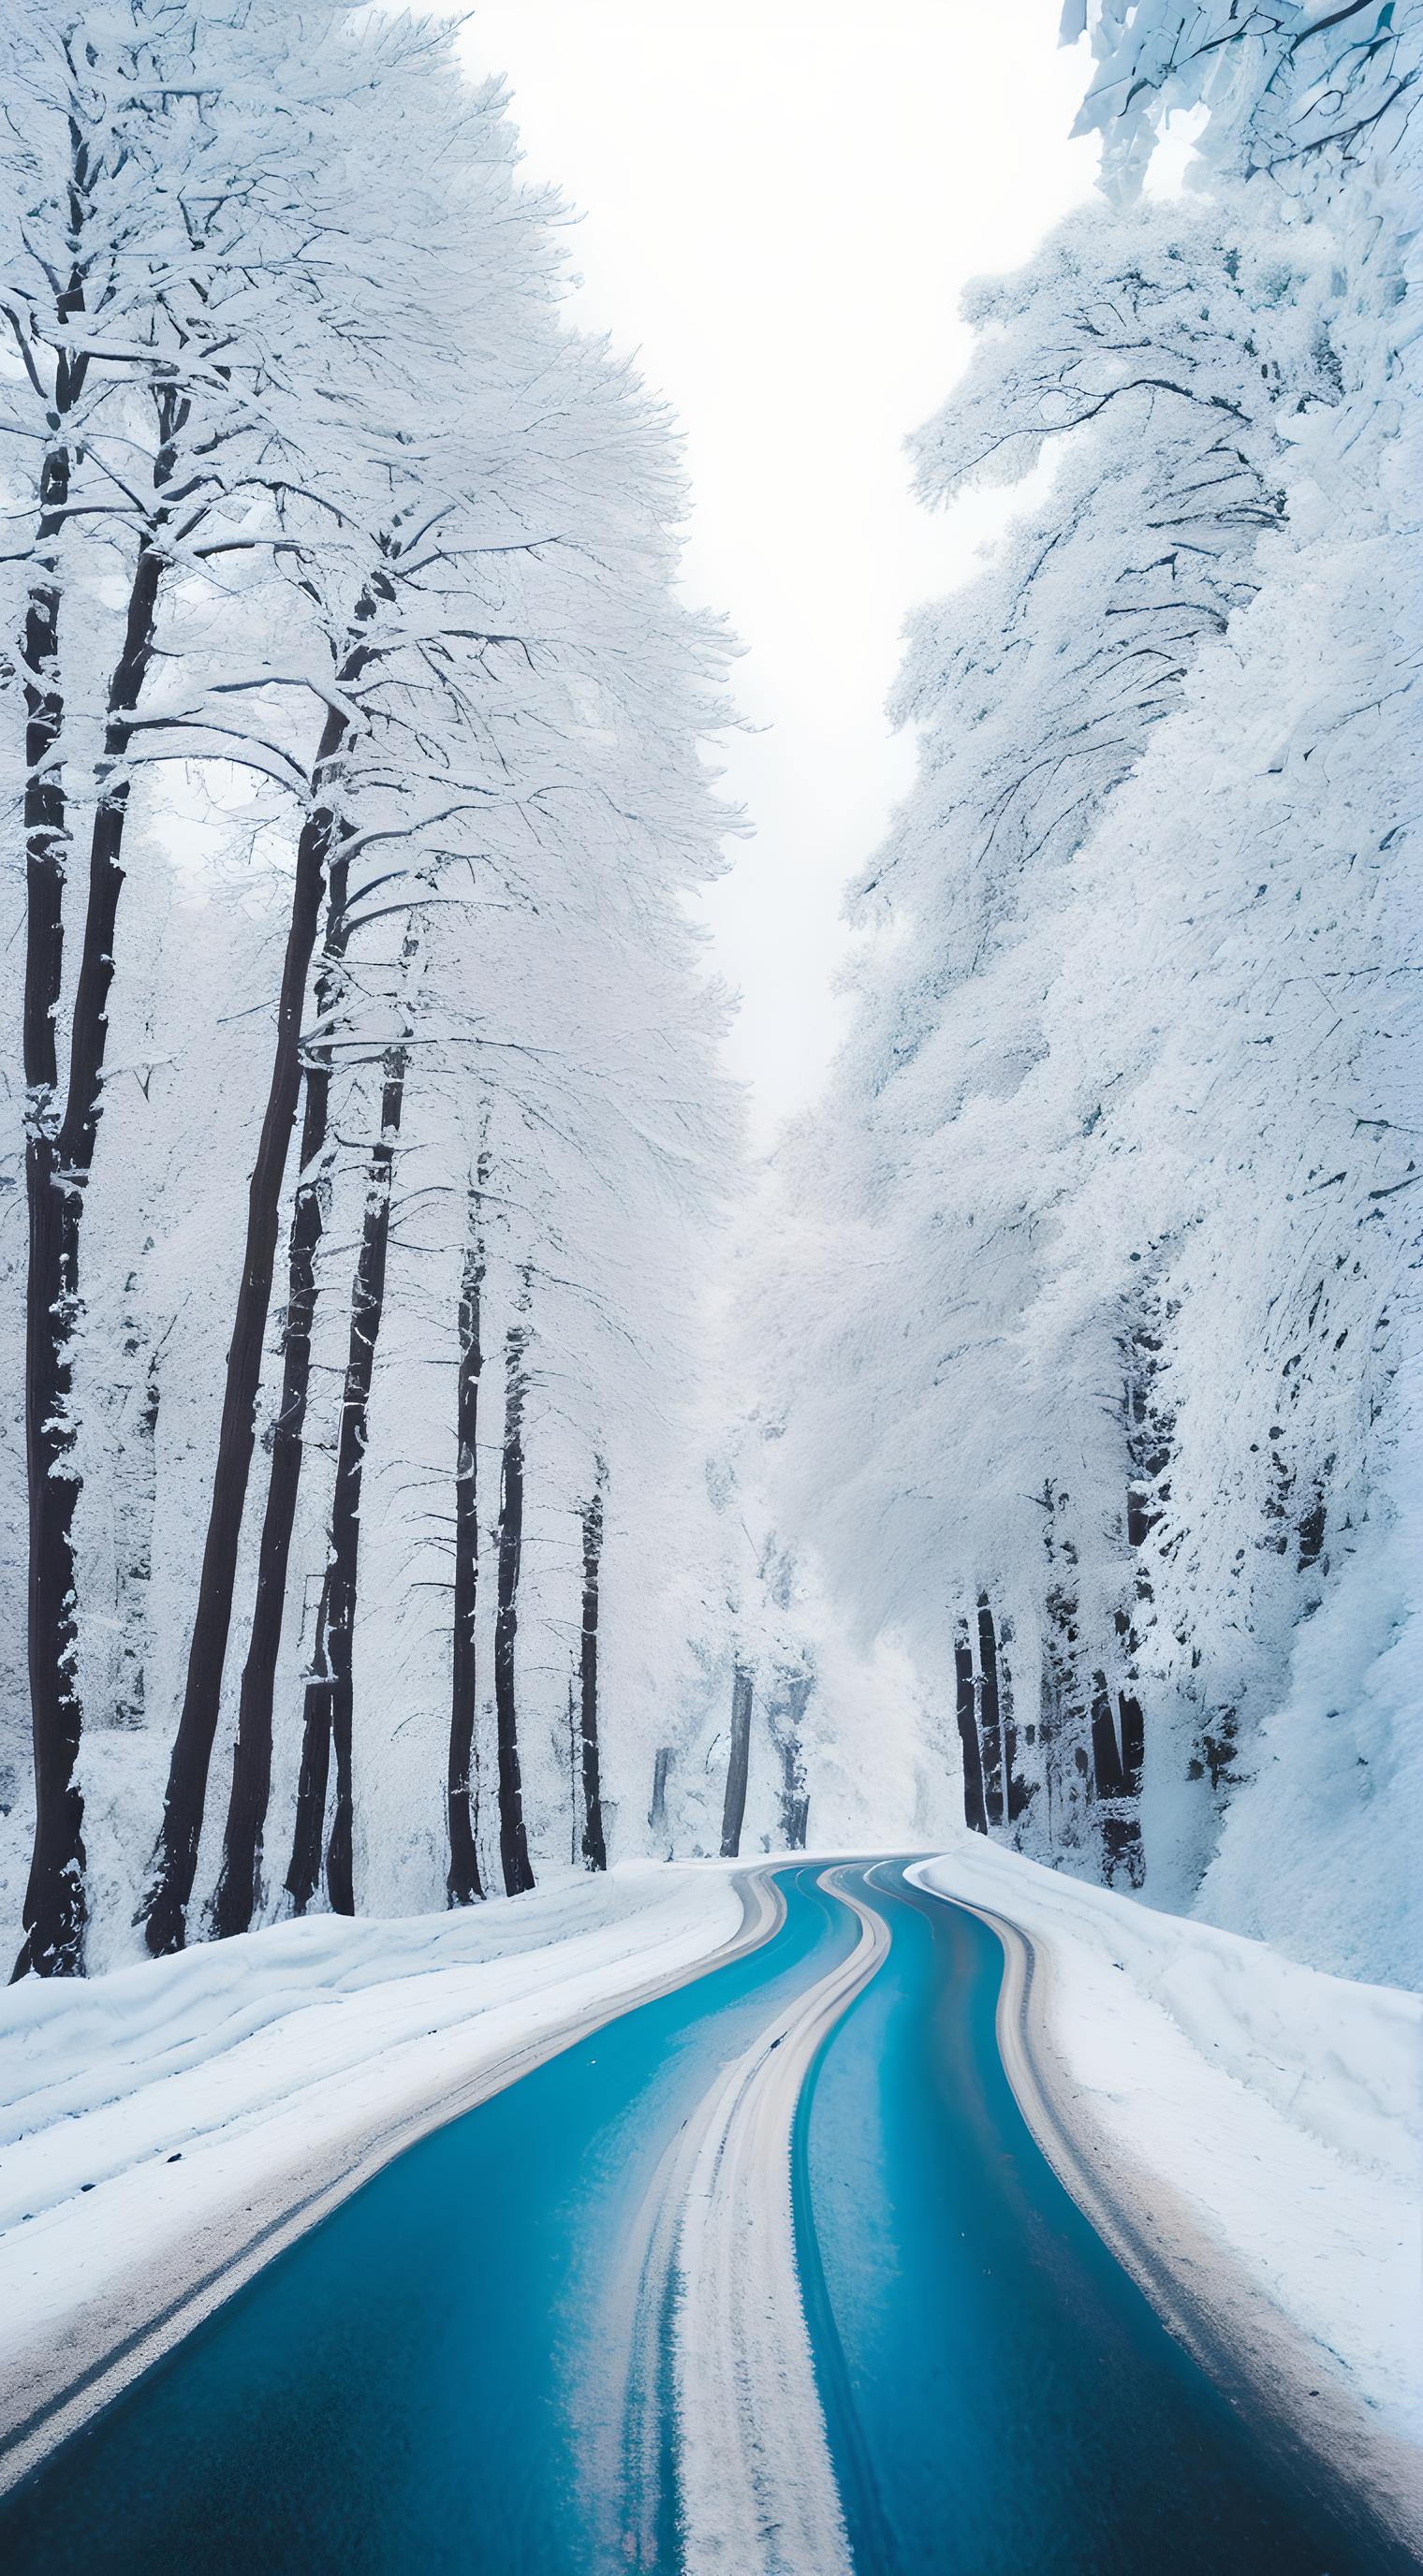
column 749, row 2459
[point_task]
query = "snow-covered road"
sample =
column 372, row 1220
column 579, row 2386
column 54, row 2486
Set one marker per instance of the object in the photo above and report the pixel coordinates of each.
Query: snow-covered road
column 752, row 2277
column 738, row 2280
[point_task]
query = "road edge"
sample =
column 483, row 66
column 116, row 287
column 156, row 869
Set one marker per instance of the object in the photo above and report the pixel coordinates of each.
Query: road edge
column 1263, row 2363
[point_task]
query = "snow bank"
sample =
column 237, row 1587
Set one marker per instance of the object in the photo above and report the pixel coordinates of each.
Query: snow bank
column 1242, row 2106
column 162, row 2129
column 1319, row 1849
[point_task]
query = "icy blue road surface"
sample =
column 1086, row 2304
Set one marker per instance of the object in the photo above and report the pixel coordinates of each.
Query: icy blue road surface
column 439, row 2380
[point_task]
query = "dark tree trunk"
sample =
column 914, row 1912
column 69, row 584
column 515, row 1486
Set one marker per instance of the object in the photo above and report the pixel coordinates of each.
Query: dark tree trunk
column 1106, row 1755
column 513, row 1840
column 463, row 1882
column 238, row 1887
column 236, row 1895
column 330, row 1690
column 163, row 1907
column 54, row 1300
column 738, row 1763
column 975, row 1816
column 89, row 1032
column 54, row 1909
column 595, row 1852
column 1133, row 1740
column 1065, row 1727
column 1018, row 1791
column 1116, row 1786
column 1148, row 1438
column 990, row 1718
column 657, row 1812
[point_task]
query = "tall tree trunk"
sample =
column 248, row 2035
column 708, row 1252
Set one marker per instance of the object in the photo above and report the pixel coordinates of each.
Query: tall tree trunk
column 657, row 1812
column 975, row 1814
column 1065, row 1728
column 463, row 1884
column 990, row 1715
column 54, row 1909
column 162, row 1909
column 1120, row 1815
column 595, row 1850
column 330, row 1692
column 513, row 1840
column 64, row 1160
column 238, row 1887
column 1018, row 1791
column 738, row 1763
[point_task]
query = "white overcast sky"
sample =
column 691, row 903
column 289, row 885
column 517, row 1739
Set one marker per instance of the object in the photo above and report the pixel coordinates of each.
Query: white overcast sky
column 781, row 201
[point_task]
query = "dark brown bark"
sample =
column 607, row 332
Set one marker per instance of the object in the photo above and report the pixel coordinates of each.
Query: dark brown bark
column 975, row 1816
column 330, row 1690
column 513, row 1840
column 595, row 1850
column 163, row 1907
column 237, row 1892
column 463, row 1883
column 738, row 1763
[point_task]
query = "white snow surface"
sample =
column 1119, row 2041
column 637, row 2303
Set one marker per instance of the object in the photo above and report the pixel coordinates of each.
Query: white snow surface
column 250, row 2060
column 1281, row 2107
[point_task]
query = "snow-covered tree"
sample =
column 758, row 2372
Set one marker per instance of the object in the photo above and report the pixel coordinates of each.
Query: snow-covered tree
column 1094, row 1254
column 411, row 718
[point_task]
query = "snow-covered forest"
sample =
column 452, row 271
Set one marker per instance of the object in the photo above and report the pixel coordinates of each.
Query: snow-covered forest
column 417, row 1477
column 363, row 1086
column 1095, row 1282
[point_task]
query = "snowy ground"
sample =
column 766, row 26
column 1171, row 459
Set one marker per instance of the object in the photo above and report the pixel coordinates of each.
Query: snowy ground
column 164, row 2128
column 1260, row 2124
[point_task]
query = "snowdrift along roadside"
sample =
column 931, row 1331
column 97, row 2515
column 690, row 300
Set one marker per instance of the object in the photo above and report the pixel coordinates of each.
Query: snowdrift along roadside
column 165, row 2128
column 1249, row 2126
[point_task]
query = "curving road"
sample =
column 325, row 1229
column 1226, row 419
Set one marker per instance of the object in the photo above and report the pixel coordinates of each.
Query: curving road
column 767, row 2275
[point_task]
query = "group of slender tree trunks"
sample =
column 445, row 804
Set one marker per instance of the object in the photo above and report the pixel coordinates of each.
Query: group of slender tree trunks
column 1080, row 1754
column 62, row 1126
column 60, row 1147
